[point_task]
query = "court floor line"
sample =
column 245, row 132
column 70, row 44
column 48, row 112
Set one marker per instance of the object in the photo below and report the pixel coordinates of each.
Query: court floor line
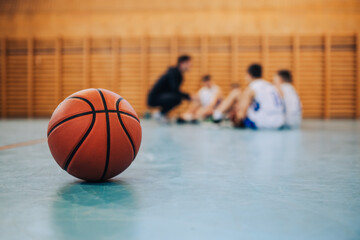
column 22, row 144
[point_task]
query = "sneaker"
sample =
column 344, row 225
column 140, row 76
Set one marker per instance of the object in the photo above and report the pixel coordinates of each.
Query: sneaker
column 180, row 120
column 160, row 118
column 164, row 120
column 217, row 117
column 217, row 121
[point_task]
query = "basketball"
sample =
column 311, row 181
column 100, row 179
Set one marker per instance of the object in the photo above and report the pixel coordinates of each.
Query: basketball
column 94, row 134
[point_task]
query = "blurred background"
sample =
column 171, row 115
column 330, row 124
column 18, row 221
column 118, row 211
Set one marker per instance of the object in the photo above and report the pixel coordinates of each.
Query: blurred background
column 53, row 48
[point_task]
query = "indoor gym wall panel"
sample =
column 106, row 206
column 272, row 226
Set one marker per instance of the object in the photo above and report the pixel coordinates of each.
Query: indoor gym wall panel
column 16, row 77
column 159, row 57
column 129, row 69
column 100, row 66
column 249, row 52
column 280, row 55
column 2, row 79
column 72, row 66
column 44, row 77
column 311, row 75
column 38, row 73
column 219, row 61
column 343, row 76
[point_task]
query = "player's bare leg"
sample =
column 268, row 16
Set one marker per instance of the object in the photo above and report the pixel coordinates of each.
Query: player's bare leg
column 229, row 102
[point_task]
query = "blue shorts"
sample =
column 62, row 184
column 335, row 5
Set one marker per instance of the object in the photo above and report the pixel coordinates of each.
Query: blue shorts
column 249, row 124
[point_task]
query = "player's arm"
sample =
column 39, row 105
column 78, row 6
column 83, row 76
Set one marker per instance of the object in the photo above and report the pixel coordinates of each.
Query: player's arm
column 245, row 102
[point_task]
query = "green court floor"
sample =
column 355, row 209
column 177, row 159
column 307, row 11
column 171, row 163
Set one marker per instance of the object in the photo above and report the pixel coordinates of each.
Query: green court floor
column 190, row 182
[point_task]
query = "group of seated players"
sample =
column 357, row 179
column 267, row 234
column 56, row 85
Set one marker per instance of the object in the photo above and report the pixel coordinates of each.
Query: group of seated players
column 261, row 105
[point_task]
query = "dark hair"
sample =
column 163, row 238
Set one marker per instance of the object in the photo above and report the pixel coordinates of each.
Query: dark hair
column 206, row 78
column 285, row 75
column 255, row 70
column 183, row 58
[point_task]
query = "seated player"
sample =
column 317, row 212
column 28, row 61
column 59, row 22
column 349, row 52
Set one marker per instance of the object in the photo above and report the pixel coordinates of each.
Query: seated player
column 282, row 81
column 203, row 103
column 259, row 105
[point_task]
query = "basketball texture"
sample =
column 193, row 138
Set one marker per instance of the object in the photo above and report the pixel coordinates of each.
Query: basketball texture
column 94, row 134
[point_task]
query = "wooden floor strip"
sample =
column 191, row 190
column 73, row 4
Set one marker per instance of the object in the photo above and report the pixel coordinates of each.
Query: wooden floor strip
column 22, row 144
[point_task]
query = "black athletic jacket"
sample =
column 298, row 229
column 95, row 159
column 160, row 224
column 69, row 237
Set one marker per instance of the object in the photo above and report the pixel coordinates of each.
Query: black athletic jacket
column 170, row 82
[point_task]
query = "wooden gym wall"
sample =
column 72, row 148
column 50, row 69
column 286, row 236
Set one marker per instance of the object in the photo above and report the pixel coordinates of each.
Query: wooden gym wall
column 37, row 73
column 108, row 18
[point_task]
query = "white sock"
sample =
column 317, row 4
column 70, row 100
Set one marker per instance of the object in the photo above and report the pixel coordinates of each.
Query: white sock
column 217, row 115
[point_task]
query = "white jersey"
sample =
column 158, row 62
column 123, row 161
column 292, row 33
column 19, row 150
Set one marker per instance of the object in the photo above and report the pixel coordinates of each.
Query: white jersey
column 292, row 106
column 267, row 108
column 206, row 94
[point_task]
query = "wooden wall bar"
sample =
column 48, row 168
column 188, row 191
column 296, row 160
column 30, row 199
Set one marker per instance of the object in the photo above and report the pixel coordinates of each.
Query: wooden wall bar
column 3, row 78
column 36, row 74
column 30, row 77
column 358, row 76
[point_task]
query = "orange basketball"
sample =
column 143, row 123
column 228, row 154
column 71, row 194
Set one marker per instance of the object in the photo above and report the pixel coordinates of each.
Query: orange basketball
column 94, row 134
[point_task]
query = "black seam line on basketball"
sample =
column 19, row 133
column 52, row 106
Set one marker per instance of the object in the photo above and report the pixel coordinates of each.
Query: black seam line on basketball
column 87, row 113
column 108, row 134
column 125, row 113
column 67, row 119
column 85, row 135
column 123, row 126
